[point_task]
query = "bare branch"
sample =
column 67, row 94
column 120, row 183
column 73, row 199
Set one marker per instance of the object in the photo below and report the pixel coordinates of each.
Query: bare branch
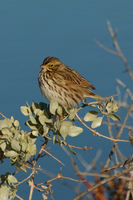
column 117, row 175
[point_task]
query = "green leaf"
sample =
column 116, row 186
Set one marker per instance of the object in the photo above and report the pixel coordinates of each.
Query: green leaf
column 33, row 120
column 25, row 110
column 31, row 149
column 74, row 131
column 64, row 128
column 53, row 107
column 11, row 154
column 5, row 123
column 71, row 113
column 54, row 139
column 45, row 130
column 90, row 116
column 97, row 122
column 114, row 117
column 30, row 125
column 36, row 109
column 6, row 132
column 16, row 123
column 11, row 179
column 67, row 128
column 3, row 146
column 24, row 145
column 115, row 107
column 27, row 157
column 111, row 107
column 44, row 119
column 4, row 192
column 35, row 133
column 15, row 145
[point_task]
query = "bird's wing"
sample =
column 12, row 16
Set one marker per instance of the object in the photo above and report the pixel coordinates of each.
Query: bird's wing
column 66, row 76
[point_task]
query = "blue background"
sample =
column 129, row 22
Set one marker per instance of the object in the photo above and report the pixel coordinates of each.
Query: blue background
column 32, row 30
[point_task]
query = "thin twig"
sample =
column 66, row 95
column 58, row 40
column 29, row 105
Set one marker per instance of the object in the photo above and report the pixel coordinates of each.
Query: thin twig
column 117, row 175
column 53, row 157
column 118, row 49
column 31, row 183
column 105, row 48
column 24, row 180
column 89, row 104
column 3, row 115
column 125, row 87
column 125, row 120
column 119, row 125
column 126, row 162
column 19, row 197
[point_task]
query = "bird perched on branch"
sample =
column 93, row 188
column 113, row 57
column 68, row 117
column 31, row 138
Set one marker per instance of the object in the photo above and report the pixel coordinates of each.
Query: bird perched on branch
column 61, row 83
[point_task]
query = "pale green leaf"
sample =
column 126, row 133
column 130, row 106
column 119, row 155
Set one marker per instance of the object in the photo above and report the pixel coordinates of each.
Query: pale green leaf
column 114, row 117
column 33, row 120
column 90, row 116
column 97, row 122
column 24, row 146
column 15, row 145
column 64, row 129
column 67, row 128
column 30, row 125
column 10, row 154
column 6, row 132
column 53, row 106
column 27, row 157
column 54, row 139
column 111, row 107
column 71, row 113
column 12, row 119
column 31, row 149
column 31, row 140
column 25, row 110
column 45, row 130
column 4, row 192
column 36, row 109
column 115, row 107
column 35, row 133
column 16, row 123
column 74, row 131
column 3, row 146
column 44, row 119
column 5, row 123
column 11, row 179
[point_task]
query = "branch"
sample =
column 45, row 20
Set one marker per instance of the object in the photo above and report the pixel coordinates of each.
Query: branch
column 118, row 51
column 98, row 134
column 117, row 175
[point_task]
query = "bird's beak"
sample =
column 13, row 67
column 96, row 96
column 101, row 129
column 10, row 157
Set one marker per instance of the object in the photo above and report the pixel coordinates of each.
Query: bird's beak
column 43, row 66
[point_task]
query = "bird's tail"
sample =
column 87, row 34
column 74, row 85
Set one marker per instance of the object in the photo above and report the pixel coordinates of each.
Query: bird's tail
column 95, row 96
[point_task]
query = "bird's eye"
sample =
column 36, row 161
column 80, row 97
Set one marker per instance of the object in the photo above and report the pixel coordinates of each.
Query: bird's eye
column 51, row 65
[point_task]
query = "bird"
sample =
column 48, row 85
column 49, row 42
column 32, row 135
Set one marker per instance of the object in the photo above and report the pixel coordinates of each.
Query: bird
column 63, row 84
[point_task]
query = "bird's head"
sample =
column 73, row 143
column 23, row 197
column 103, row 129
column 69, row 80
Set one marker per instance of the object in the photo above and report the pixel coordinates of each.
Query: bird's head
column 50, row 62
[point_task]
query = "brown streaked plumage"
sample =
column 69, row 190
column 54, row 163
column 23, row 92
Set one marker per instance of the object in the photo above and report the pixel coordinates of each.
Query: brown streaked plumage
column 61, row 83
